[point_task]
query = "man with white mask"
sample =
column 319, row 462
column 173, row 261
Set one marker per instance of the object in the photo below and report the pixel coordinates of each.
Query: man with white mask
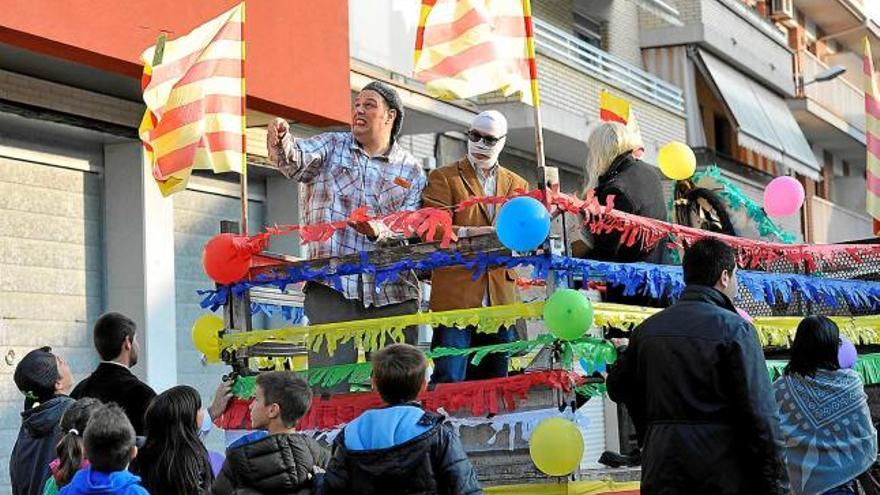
column 477, row 174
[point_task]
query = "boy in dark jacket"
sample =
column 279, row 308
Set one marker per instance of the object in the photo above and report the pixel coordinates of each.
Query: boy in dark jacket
column 278, row 460
column 44, row 379
column 401, row 448
column 109, row 443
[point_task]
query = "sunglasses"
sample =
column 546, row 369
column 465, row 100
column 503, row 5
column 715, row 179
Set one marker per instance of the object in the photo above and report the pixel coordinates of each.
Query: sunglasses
column 475, row 137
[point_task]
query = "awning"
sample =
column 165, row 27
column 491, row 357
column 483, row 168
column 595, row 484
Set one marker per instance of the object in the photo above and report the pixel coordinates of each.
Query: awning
column 764, row 123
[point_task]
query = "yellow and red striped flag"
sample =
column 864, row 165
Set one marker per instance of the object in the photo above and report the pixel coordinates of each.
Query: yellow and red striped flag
column 195, row 99
column 616, row 109
column 872, row 137
column 466, row 48
column 613, row 108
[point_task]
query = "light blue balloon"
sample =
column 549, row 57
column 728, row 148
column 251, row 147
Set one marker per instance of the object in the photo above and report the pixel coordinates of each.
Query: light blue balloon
column 523, row 224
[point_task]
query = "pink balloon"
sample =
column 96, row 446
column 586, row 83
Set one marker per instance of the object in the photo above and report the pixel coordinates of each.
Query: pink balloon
column 745, row 316
column 783, row 196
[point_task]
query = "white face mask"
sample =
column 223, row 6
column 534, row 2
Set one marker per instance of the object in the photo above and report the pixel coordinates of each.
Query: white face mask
column 480, row 147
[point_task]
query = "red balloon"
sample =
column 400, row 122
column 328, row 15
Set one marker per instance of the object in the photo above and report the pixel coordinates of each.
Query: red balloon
column 226, row 258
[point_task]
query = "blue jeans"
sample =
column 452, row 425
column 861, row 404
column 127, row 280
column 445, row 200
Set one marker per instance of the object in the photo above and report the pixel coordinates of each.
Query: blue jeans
column 458, row 368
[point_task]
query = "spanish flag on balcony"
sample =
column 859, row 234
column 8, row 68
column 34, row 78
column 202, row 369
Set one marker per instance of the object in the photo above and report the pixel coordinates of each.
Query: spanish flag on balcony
column 195, row 95
column 613, row 108
column 872, row 136
column 466, row 48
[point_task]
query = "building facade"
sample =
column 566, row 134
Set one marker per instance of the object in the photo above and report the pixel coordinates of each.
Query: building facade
column 748, row 70
column 84, row 229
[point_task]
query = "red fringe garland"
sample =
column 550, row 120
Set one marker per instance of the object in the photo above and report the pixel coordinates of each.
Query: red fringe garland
column 479, row 397
column 418, row 222
column 647, row 233
column 638, row 231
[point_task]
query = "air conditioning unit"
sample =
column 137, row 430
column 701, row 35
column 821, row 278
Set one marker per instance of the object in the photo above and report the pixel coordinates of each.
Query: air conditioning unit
column 782, row 11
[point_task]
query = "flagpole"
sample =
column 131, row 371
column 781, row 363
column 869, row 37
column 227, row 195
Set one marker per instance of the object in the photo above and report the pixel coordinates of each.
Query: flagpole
column 243, row 178
column 533, row 76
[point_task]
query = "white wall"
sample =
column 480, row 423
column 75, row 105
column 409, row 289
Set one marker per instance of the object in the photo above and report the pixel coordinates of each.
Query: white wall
column 383, row 32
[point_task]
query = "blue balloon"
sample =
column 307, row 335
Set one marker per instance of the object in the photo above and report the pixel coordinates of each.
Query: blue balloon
column 523, row 224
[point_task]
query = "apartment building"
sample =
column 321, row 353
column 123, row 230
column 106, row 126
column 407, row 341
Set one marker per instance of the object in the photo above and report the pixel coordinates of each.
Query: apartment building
column 748, row 69
column 826, row 37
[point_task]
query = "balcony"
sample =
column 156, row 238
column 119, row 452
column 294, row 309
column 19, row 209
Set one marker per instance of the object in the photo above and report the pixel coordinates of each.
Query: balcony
column 831, row 113
column 733, row 32
column 831, row 223
column 839, row 96
column 571, row 74
column 572, row 51
column 846, row 21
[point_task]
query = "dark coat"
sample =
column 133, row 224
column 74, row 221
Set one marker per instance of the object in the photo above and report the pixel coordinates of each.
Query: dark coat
column 433, row 462
column 260, row 463
column 696, row 383
column 115, row 383
column 636, row 188
column 35, row 447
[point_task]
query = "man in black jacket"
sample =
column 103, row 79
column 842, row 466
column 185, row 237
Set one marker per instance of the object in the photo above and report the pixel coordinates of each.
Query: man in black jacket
column 112, row 380
column 401, row 448
column 695, row 380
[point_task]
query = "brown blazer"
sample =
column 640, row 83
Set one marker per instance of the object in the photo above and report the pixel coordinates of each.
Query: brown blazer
column 454, row 288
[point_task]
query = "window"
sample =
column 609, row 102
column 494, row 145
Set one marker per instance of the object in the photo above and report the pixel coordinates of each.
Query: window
column 588, row 30
column 722, row 135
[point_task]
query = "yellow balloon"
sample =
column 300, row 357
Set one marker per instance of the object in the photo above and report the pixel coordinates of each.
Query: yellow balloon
column 206, row 336
column 556, row 447
column 677, row 160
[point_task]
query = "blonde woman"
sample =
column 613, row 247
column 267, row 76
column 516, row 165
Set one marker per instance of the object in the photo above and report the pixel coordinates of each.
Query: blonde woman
column 614, row 168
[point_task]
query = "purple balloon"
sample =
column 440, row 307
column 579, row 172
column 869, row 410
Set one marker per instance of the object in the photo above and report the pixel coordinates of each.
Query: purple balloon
column 846, row 353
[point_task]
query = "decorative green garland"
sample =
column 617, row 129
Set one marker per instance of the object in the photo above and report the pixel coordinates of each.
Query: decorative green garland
column 592, row 352
column 867, row 366
column 737, row 200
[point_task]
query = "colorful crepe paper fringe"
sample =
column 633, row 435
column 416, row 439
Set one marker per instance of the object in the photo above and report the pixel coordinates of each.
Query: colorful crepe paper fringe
column 479, row 398
column 772, row 331
column 656, row 281
column 867, row 366
column 592, row 353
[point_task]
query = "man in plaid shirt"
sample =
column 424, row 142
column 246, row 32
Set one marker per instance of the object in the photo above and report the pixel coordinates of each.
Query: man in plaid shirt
column 342, row 171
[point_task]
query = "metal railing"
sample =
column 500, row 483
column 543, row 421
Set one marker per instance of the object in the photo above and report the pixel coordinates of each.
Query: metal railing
column 838, row 96
column 568, row 49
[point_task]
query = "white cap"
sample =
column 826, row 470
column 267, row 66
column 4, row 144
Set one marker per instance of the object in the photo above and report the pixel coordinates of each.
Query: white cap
column 490, row 122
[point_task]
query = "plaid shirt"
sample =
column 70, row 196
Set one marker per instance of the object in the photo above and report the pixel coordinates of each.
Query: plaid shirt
column 338, row 177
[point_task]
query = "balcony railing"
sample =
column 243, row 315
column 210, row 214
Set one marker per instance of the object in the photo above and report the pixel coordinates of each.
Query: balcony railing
column 832, row 223
column 570, row 50
column 838, row 96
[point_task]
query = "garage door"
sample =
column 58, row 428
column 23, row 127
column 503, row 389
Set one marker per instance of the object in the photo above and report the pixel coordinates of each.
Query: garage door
column 197, row 215
column 51, row 277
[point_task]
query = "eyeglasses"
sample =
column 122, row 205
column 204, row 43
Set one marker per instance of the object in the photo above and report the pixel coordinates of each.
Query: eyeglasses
column 475, row 137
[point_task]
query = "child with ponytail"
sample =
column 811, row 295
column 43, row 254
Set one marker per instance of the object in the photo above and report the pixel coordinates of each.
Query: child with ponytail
column 71, row 455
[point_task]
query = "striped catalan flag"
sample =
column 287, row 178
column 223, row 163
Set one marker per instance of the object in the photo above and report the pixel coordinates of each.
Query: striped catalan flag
column 466, row 48
column 195, row 97
column 872, row 137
